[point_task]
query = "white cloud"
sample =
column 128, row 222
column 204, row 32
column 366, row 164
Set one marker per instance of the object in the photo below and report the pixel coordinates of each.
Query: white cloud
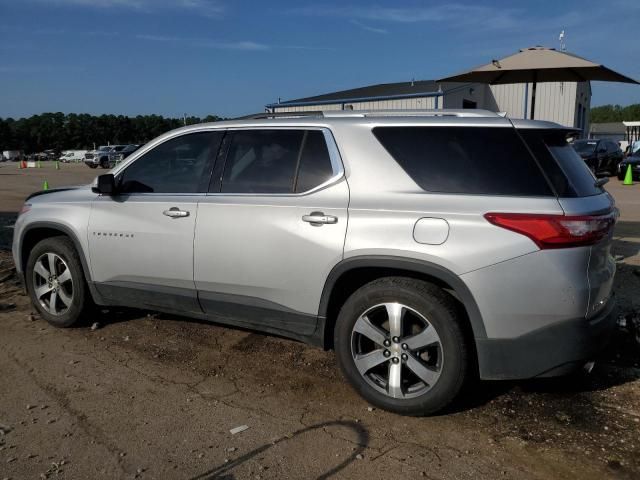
column 369, row 28
column 209, row 8
column 455, row 14
column 207, row 43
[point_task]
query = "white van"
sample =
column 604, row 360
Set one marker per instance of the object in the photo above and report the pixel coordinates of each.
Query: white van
column 11, row 155
column 69, row 156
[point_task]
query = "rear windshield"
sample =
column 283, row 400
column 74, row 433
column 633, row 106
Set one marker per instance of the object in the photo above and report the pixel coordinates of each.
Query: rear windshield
column 566, row 171
column 470, row 160
column 584, row 146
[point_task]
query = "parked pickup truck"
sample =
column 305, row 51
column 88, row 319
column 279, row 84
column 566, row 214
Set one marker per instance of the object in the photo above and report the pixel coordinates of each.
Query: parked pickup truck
column 101, row 156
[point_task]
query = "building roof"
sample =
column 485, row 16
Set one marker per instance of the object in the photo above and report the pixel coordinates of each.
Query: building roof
column 380, row 91
column 609, row 127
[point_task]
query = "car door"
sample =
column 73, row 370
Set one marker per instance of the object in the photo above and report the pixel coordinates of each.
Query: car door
column 141, row 238
column 271, row 228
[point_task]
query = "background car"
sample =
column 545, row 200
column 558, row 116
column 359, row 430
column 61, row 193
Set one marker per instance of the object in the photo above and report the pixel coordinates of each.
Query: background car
column 634, row 161
column 601, row 156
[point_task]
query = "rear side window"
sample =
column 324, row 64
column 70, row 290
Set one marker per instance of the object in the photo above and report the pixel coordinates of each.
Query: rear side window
column 565, row 169
column 276, row 161
column 470, row 160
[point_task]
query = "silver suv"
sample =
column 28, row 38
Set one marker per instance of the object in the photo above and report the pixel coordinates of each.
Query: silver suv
column 424, row 247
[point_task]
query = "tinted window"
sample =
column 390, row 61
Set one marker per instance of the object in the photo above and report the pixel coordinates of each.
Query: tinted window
column 276, row 161
column 585, row 146
column 179, row 165
column 567, row 172
column 472, row 160
column 315, row 164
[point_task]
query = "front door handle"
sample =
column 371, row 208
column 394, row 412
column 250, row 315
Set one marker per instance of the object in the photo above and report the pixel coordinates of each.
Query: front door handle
column 175, row 212
column 318, row 218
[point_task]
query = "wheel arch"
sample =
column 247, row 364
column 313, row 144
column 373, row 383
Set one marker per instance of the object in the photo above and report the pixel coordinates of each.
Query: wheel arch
column 352, row 273
column 37, row 231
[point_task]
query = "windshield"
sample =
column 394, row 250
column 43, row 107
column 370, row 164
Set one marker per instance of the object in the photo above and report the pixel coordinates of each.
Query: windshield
column 104, row 149
column 584, row 146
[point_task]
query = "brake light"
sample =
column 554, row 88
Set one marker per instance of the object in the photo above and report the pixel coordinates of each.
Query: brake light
column 557, row 231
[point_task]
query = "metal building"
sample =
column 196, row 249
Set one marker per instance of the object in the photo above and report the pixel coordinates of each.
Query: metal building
column 566, row 103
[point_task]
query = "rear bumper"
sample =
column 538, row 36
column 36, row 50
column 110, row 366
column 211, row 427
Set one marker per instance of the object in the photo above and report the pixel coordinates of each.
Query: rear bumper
column 550, row 351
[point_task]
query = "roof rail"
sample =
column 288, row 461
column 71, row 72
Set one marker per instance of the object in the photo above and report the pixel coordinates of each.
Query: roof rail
column 263, row 115
column 471, row 112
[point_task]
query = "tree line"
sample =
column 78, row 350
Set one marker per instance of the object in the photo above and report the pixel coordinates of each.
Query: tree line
column 615, row 113
column 81, row 131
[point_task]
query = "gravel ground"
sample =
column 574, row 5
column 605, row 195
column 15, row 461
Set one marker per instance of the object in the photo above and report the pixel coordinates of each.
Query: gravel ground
column 145, row 395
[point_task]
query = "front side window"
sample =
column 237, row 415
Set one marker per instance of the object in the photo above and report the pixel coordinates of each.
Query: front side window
column 179, row 165
column 276, row 162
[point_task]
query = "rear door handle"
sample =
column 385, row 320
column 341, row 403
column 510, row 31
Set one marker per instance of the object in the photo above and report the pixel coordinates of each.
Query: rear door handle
column 175, row 212
column 318, row 218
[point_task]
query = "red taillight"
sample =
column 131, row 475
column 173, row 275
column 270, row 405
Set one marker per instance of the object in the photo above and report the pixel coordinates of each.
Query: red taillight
column 557, row 231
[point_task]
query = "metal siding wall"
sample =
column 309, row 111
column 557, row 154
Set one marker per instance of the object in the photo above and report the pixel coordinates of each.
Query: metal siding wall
column 583, row 100
column 555, row 101
column 510, row 98
column 309, row 108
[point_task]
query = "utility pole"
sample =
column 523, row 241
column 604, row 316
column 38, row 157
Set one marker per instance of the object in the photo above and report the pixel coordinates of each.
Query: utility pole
column 184, row 118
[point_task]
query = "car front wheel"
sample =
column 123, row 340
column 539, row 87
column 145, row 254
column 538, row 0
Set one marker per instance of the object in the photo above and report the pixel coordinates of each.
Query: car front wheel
column 400, row 344
column 55, row 282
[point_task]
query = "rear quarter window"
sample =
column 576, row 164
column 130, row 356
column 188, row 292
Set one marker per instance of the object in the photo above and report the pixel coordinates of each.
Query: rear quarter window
column 565, row 169
column 467, row 160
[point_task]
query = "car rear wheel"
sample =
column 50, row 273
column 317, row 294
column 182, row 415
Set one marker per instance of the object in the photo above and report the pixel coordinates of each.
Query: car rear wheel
column 399, row 343
column 55, row 282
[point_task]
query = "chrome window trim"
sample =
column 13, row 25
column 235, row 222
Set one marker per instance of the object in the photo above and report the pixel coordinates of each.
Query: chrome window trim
column 334, row 156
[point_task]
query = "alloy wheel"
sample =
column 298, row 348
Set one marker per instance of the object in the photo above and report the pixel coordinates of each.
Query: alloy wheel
column 53, row 284
column 396, row 350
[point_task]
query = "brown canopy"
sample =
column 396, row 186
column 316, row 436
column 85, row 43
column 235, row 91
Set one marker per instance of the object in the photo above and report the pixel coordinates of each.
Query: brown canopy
column 539, row 64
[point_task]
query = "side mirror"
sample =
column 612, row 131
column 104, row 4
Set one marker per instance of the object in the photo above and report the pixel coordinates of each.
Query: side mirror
column 105, row 184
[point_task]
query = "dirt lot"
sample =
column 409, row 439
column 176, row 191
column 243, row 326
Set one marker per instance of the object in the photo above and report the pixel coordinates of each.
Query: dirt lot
column 154, row 396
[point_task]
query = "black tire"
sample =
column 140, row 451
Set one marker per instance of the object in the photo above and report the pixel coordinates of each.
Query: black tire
column 620, row 177
column 92, row 165
column 80, row 303
column 441, row 312
column 104, row 163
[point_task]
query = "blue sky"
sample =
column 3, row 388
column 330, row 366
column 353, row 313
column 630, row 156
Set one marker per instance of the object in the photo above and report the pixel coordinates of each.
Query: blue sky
column 232, row 57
